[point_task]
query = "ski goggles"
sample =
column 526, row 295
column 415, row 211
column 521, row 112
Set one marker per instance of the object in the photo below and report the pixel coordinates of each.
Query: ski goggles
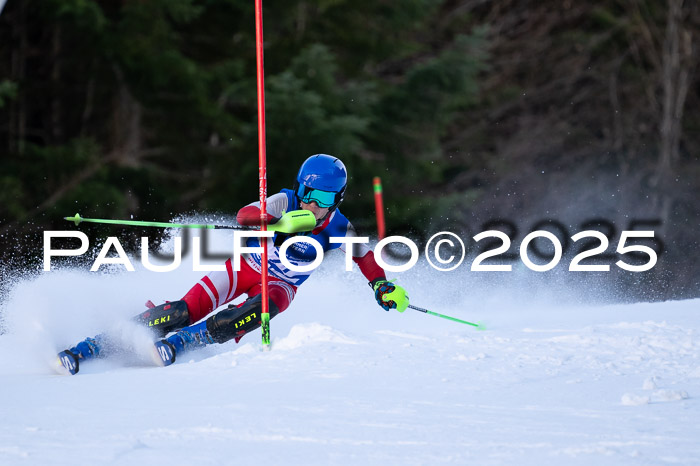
column 324, row 199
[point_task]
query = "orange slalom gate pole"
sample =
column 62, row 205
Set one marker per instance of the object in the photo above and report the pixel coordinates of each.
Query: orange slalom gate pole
column 379, row 207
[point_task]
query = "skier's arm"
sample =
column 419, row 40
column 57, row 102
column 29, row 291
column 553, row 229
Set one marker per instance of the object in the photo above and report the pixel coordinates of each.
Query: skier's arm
column 369, row 267
column 250, row 214
column 364, row 258
column 388, row 295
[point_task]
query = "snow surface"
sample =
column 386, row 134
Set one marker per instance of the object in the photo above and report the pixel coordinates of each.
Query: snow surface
column 347, row 383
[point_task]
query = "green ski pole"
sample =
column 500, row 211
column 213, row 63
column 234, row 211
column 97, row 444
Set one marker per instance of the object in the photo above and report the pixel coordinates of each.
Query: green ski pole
column 291, row 222
column 478, row 325
column 77, row 219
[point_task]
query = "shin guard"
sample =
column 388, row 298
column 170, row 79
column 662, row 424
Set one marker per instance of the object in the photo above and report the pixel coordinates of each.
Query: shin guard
column 234, row 322
column 165, row 318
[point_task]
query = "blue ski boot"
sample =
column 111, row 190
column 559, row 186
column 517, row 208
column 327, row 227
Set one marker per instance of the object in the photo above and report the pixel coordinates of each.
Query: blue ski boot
column 87, row 349
column 186, row 339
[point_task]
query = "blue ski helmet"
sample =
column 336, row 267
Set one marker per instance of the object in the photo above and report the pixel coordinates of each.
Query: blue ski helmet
column 322, row 178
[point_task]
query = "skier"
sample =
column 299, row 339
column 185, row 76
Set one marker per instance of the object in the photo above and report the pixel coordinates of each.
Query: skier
column 319, row 187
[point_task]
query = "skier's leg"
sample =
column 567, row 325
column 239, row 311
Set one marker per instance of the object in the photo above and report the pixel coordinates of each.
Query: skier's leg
column 208, row 293
column 162, row 319
column 231, row 323
column 217, row 289
column 236, row 321
column 165, row 318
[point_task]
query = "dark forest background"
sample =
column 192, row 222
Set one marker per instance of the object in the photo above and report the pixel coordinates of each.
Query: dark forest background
column 477, row 114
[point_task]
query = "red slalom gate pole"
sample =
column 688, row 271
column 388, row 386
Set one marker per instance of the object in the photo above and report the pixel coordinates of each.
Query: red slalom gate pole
column 379, row 207
column 262, row 172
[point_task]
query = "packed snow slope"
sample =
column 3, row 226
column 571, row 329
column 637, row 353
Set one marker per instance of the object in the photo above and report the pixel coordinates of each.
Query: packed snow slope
column 347, row 383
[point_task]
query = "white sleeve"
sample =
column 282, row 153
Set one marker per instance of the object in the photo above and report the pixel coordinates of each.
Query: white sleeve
column 276, row 204
column 358, row 249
